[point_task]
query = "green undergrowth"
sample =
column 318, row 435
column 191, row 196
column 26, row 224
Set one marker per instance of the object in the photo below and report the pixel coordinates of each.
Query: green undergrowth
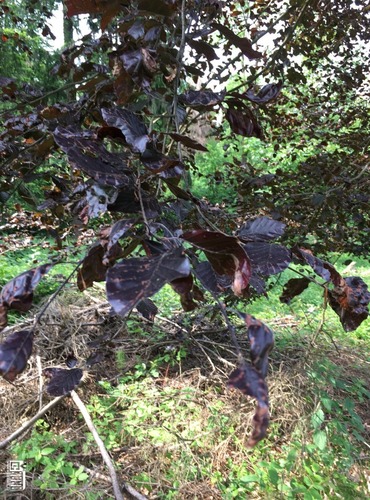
column 183, row 436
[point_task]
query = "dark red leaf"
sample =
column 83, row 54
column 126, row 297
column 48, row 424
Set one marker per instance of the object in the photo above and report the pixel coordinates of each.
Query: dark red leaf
column 95, row 358
column 107, row 9
column 209, row 279
column 261, row 340
column 292, row 288
column 132, row 280
column 93, row 268
column 62, row 381
column 243, row 122
column 203, row 47
column 86, row 153
column 18, row 293
column 188, row 142
column 14, row 353
column 268, row 259
column 243, row 44
column 266, row 94
column 158, row 7
column 128, row 202
column 202, row 99
column 251, row 383
column 147, row 308
column 188, row 291
column 71, row 361
column 134, row 130
column 225, row 254
column 350, row 301
column 261, row 229
column 322, row 268
column 167, row 168
column 118, row 230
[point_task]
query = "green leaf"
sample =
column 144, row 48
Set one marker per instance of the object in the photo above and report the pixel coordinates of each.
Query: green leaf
column 47, row 451
column 274, row 476
column 327, row 403
column 249, row 478
column 320, row 439
column 317, row 418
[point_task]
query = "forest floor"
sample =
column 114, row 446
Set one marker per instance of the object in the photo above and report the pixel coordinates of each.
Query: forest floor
column 159, row 400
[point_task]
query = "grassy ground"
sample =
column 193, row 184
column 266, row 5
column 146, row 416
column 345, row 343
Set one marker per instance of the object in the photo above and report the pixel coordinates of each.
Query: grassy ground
column 160, row 403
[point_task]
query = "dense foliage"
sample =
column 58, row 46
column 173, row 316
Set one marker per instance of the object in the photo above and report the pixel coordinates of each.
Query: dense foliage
column 120, row 146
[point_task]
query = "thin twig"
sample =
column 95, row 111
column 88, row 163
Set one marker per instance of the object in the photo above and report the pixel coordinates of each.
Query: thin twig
column 29, row 424
column 146, row 224
column 39, row 370
column 231, row 329
column 55, row 294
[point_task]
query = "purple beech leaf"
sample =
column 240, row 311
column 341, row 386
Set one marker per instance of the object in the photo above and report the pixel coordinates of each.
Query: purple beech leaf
column 188, row 142
column 188, row 291
column 243, row 44
column 350, row 300
column 118, row 230
column 250, row 379
column 132, row 280
column 148, row 309
column 266, row 94
column 86, row 153
column 268, row 259
column 202, row 99
column 71, row 361
column 261, row 340
column 95, row 264
column 202, row 47
column 17, row 294
column 322, row 268
column 62, row 381
column 166, row 167
column 128, row 202
column 205, row 273
column 243, row 122
column 292, row 288
column 107, row 10
column 251, row 383
column 225, row 254
column 157, row 7
column 134, row 130
column 261, row 229
column 95, row 358
column 15, row 351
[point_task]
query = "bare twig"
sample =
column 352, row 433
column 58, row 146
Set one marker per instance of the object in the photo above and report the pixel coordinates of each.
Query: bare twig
column 30, row 423
column 39, row 370
column 56, row 293
column 105, row 455
column 146, row 224
column 231, row 329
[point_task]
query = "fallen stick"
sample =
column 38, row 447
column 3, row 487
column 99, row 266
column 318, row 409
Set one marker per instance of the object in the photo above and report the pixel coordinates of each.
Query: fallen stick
column 104, row 453
column 29, row 424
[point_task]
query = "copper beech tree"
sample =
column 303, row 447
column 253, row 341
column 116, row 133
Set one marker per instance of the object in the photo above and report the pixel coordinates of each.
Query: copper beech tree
column 115, row 142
